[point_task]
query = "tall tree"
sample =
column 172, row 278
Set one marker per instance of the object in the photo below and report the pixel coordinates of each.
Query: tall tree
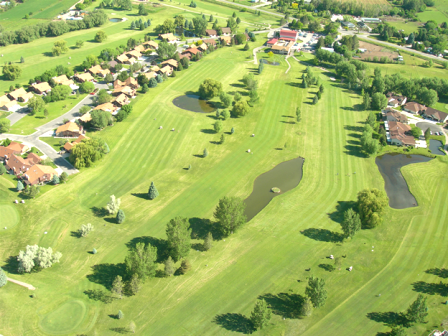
column 120, row 315
column 117, row 286
column 298, row 114
column 141, row 261
column 307, row 307
column 179, row 238
column 120, row 216
column 169, row 267
column 230, row 214
column 134, row 284
column 351, row 223
column 209, row 88
column 19, row 185
column 208, row 241
column 114, row 205
column 316, row 291
column 152, row 192
column 417, row 310
column 371, row 205
column 427, row 134
column 261, row 314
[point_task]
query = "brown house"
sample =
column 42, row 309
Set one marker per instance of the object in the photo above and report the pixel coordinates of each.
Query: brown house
column 69, row 145
column 20, row 95
column 166, row 70
column 97, row 70
column 225, row 40
column 435, row 114
column 5, row 153
column 134, row 54
column 39, row 174
column 172, row 63
column 210, row 42
column 41, row 88
column 226, row 31
column 211, row 32
column 18, row 148
column 63, row 80
column 84, row 77
column 168, row 37
column 414, row 108
column 70, row 130
column 400, row 134
column 151, row 44
column 392, row 115
column 108, row 107
column 121, row 100
column 127, row 90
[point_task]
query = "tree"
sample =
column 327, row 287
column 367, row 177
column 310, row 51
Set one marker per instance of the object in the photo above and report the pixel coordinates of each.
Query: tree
column 237, row 97
column 132, row 327
column 217, row 126
column 261, row 314
column 120, row 216
column 142, row 10
column 36, row 257
column 22, row 60
column 46, row 113
column 205, row 153
column 179, row 238
column 85, row 229
column 379, row 101
column 2, row 169
column 209, row 89
column 63, row 177
column 141, row 261
column 208, row 241
column 427, row 134
column 260, row 68
column 94, row 251
column 117, row 286
column 307, row 307
column 230, row 214
column 222, row 139
column 60, row 47
column 298, row 115
column 225, row 114
column 152, row 192
column 5, row 124
column 84, row 109
column 114, row 205
column 55, row 179
column 240, row 109
column 100, row 36
column 185, row 266
column 366, row 101
column 226, row 99
column 35, row 104
column 246, row 47
column 86, row 87
column 134, row 284
column 351, row 223
column 315, row 99
column 411, row 39
column 32, row 191
column 79, row 43
column 169, row 267
column 19, row 186
column 11, row 71
column 427, row 97
column 120, row 315
column 3, row 279
column 417, row 310
column 371, row 205
column 316, row 291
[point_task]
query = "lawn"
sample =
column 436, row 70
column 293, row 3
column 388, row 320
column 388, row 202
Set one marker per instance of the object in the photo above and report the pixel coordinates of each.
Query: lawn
column 297, row 230
column 439, row 15
column 55, row 142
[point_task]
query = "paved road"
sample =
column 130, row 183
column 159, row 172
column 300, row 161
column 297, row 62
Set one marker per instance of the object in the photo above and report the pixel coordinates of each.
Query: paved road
column 423, row 125
column 16, row 116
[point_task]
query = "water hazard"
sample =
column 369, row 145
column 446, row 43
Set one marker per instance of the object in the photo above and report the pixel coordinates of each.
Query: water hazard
column 396, row 187
column 115, row 20
column 285, row 176
column 194, row 103
column 434, row 147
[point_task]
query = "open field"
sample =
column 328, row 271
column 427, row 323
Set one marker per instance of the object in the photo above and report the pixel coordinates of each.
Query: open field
column 373, row 50
column 436, row 14
column 267, row 256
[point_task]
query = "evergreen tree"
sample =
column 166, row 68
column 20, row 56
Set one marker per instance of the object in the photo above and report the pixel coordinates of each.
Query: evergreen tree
column 184, row 266
column 315, row 99
column 307, row 307
column 246, row 47
column 208, row 241
column 120, row 216
column 232, row 130
column 22, row 60
column 55, row 179
column 2, row 169
column 417, row 311
column 351, row 223
column 133, row 25
column 141, row 261
column 134, row 284
column 260, row 68
column 305, row 84
column 117, row 286
column 94, row 251
column 64, row 177
column 148, row 22
column 120, row 315
column 221, row 141
column 169, row 267
column 153, row 192
column 211, row 18
column 179, row 238
column 261, row 314
column 366, row 101
column 205, row 154
column 321, row 88
column 3, row 279
column 19, row 185
column 316, row 291
column 427, row 134
column 298, row 114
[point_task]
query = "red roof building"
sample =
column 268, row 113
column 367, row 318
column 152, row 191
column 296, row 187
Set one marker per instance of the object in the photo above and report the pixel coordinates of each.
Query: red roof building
column 273, row 41
column 290, row 35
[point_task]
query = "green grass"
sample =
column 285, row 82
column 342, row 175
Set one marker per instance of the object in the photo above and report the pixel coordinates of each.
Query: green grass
column 269, row 254
column 65, row 319
column 10, row 216
column 54, row 142
column 408, row 26
column 433, row 14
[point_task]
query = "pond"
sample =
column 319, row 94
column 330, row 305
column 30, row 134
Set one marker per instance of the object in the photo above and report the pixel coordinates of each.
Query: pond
column 434, row 147
column 269, row 62
column 285, row 176
column 193, row 103
column 115, row 20
column 396, row 187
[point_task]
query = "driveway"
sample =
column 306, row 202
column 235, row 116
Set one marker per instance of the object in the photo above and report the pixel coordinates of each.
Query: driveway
column 424, row 125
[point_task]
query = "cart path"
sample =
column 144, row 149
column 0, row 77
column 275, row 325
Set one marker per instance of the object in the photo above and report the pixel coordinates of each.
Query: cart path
column 20, row 283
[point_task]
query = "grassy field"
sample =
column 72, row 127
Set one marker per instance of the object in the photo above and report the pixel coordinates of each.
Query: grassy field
column 267, row 257
column 437, row 14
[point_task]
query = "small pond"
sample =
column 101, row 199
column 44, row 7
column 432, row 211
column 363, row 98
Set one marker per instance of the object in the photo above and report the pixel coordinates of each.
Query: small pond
column 396, row 187
column 269, row 62
column 434, row 147
column 193, row 103
column 115, row 20
column 284, row 176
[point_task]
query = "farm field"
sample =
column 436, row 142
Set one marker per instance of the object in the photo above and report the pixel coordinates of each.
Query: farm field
column 438, row 14
column 297, row 230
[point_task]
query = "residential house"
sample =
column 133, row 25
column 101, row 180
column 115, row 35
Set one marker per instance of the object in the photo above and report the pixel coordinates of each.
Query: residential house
column 39, row 174
column 393, row 115
column 10, row 106
column 134, row 54
column 435, row 115
column 210, row 42
column 395, row 100
column 155, row 68
column 225, row 40
column 348, row 25
column 191, row 51
column 128, row 91
column 171, row 62
column 18, row 165
column 5, row 153
column 18, row 148
column 86, row 117
column 203, row 47
column 140, row 48
column 112, row 64
column 370, row 20
column 165, row 70
column 84, row 77
column 226, row 31
column 70, row 130
column 414, row 108
column 63, row 80
column 130, row 81
column 288, row 35
column 69, row 145
column 4, row 100
column 97, row 70
column 168, row 37
column 211, row 32
column 20, row 95
column 108, row 107
column 151, row 44
column 41, row 88
column 150, row 75
column 123, row 59
column 121, row 100
column 400, row 134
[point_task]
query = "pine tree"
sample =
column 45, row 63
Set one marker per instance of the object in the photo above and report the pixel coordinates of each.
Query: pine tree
column 260, row 68
column 153, row 192
column 315, row 99
column 208, row 241
column 261, row 314
column 179, row 237
column 22, row 60
column 133, row 25
column 117, row 286
column 94, row 251
column 232, row 130
column 307, row 307
column 211, row 18
column 120, row 315
column 321, row 88
column 120, row 216
column 222, row 139
column 298, row 115
column 19, row 185
column 417, row 311
column 2, row 169
column 3, row 279
column 185, row 266
column 316, row 291
column 169, row 267
column 55, row 179
column 205, row 154
column 134, row 284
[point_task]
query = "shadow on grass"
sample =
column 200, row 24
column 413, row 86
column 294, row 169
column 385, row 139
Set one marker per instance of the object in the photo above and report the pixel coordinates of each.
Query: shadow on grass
column 105, row 274
column 342, row 206
column 208, row 131
column 141, row 195
column 353, row 128
column 431, row 288
column 75, row 234
column 11, row 265
column 99, row 212
column 327, row 267
column 235, row 322
column 111, row 220
column 98, row 295
column 323, row 235
column 286, row 305
column 355, row 151
column 160, row 244
column 200, row 227
column 440, row 272
column 390, row 319
column 121, row 330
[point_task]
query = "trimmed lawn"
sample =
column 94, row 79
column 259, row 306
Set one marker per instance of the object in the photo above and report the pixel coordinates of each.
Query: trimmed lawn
column 54, row 142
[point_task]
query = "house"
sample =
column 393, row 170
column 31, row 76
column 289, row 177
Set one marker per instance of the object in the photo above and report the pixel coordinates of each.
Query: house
column 168, row 37
column 112, row 64
column 97, row 70
column 5, row 153
column 226, row 31
column 225, row 40
column 166, row 70
column 121, row 100
column 10, row 106
column 210, row 42
column 151, row 44
column 123, row 59
column 20, row 95
column 18, row 148
column 4, row 100
column 211, row 32
column 84, row 77
column 18, row 165
column 395, row 100
column 435, row 115
column 130, row 81
column 70, row 130
column 171, row 62
column 155, row 68
column 400, row 134
column 128, row 91
column 282, row 48
column 39, row 174
column 288, row 35
column 191, row 51
column 140, row 48
column 69, row 145
column 63, row 80
column 41, row 88
column 393, row 115
column 203, row 47
column 108, row 107
column 134, row 54
column 370, row 20
column 150, row 75
column 414, row 108
column 347, row 24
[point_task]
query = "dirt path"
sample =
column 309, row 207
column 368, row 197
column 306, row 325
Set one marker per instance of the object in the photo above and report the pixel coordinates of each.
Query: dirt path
column 289, row 65
column 20, row 283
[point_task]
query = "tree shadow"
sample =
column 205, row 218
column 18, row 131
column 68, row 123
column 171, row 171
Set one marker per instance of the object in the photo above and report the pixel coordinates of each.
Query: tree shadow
column 113, row 316
column 327, row 267
column 111, row 220
column 355, row 135
column 105, row 274
column 75, row 234
column 286, row 305
column 235, row 322
column 389, row 318
column 99, row 212
column 342, row 206
column 200, row 227
column 355, row 151
column 353, row 128
column 441, row 272
column 431, row 288
column 141, row 195
column 323, row 235
column 198, row 155
column 12, row 265
column 160, row 244
column 208, row 131
column 98, row 295
column 288, row 122
column 121, row 330
column 47, row 54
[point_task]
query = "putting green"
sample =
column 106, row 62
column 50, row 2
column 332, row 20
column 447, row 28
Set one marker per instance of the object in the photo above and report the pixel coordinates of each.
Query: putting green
column 65, row 319
column 9, row 217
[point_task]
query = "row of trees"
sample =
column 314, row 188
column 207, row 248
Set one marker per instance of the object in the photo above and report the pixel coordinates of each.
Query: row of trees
column 35, row 258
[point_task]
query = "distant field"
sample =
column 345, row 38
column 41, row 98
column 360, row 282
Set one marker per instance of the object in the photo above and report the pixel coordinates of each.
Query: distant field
column 408, row 27
column 369, row 2
column 435, row 15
